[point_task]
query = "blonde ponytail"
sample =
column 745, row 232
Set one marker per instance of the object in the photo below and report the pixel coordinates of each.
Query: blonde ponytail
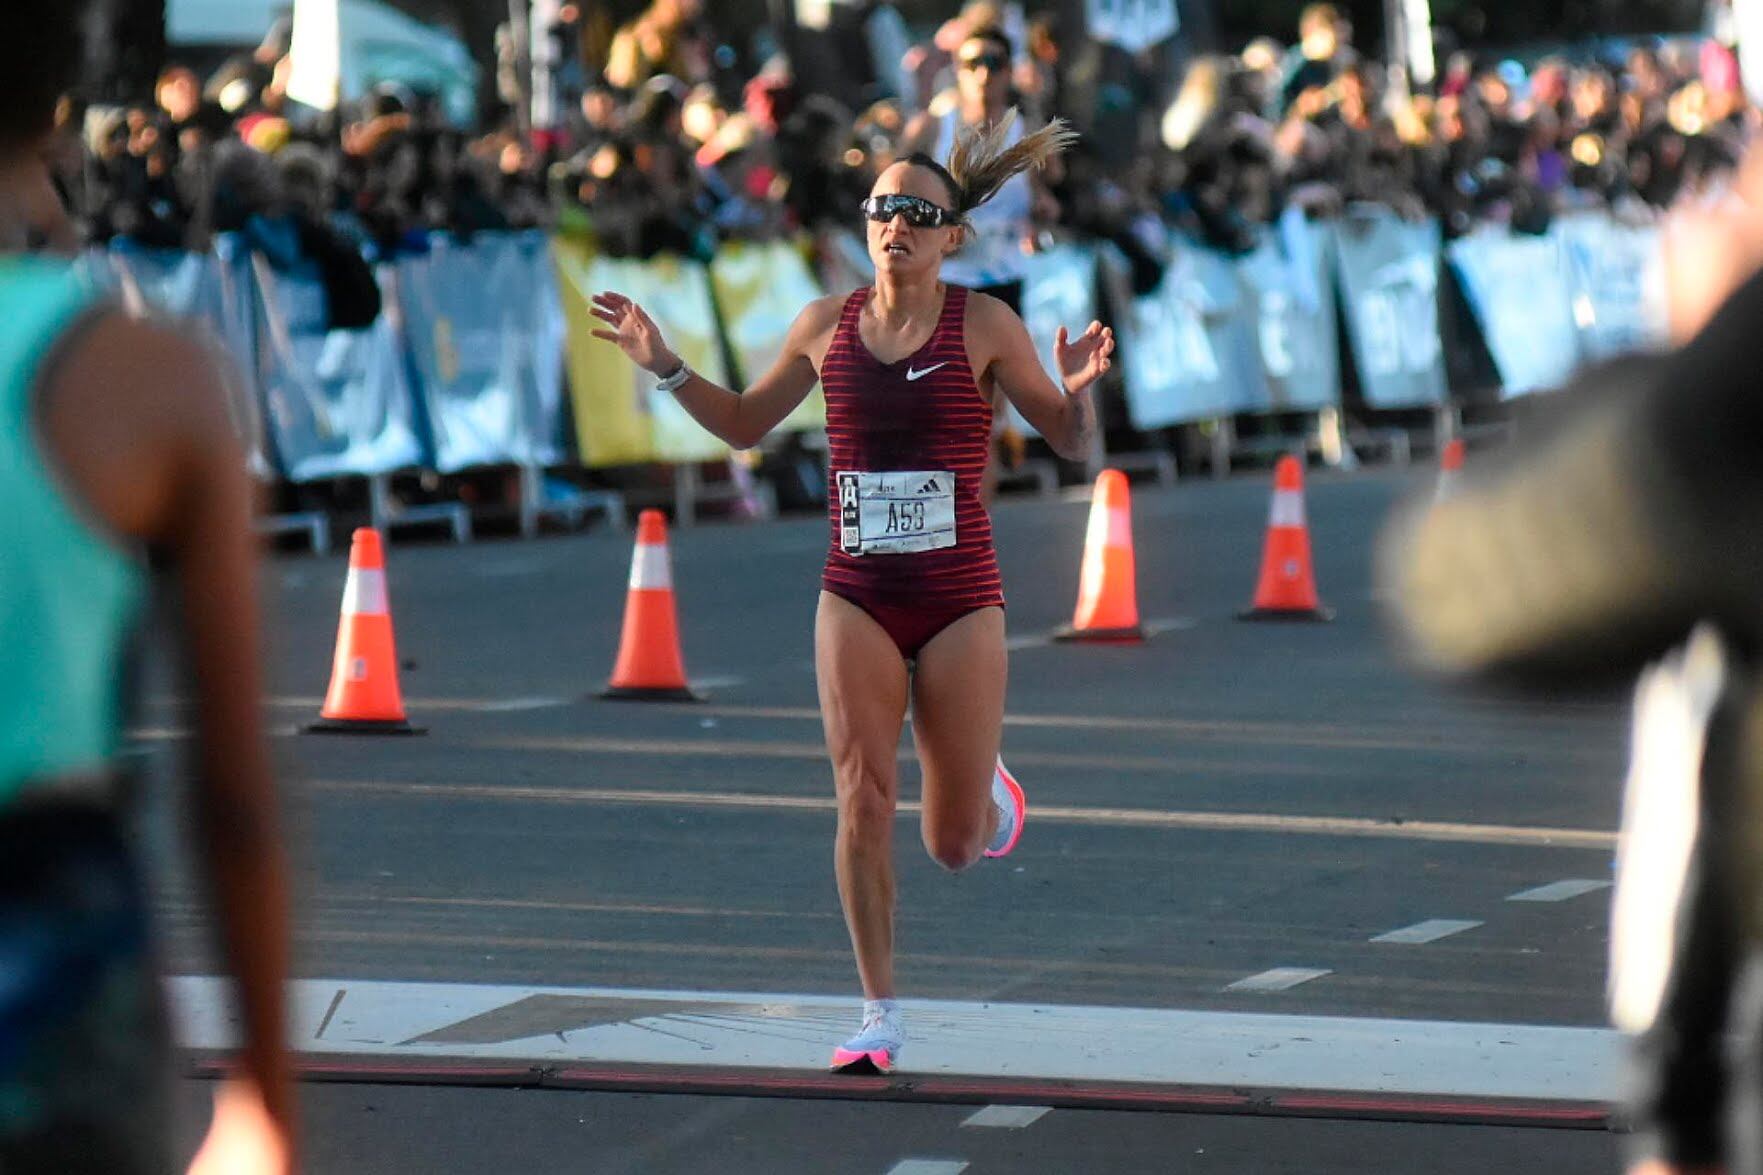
column 984, row 159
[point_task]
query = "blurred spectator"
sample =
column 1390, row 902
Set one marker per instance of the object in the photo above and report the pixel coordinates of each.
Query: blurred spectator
column 667, row 38
column 1324, row 47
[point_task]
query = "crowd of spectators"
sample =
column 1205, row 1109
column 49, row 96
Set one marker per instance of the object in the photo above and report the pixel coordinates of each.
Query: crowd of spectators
column 673, row 139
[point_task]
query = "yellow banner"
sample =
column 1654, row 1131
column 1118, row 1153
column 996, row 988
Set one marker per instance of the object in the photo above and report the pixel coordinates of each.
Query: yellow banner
column 760, row 290
column 620, row 418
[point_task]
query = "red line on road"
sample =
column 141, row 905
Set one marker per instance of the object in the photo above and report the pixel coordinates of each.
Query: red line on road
column 933, row 1089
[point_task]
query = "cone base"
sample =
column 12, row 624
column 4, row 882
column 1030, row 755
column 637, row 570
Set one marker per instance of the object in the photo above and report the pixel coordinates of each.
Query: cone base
column 1101, row 636
column 1290, row 615
column 648, row 693
column 362, row 726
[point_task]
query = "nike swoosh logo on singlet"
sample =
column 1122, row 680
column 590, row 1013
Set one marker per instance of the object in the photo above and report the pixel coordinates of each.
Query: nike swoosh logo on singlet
column 914, row 376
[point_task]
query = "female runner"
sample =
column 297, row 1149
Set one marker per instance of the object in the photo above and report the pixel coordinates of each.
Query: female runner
column 911, row 607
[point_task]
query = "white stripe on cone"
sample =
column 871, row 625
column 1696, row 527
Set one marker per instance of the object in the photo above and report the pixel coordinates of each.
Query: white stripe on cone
column 1109, row 527
column 1288, row 508
column 364, row 594
column 650, row 569
column 1119, row 528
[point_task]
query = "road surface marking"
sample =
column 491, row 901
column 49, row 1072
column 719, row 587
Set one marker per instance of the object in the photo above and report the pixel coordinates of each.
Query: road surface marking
column 1277, row 979
column 1429, row 931
column 1558, row 891
column 420, row 1024
column 1007, row 1117
column 1343, row 826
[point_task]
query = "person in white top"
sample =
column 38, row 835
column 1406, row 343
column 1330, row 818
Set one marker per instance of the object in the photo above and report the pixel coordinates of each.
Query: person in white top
column 994, row 259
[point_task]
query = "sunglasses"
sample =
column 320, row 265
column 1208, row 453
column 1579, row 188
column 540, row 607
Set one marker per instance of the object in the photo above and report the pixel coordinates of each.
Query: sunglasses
column 992, row 61
column 919, row 212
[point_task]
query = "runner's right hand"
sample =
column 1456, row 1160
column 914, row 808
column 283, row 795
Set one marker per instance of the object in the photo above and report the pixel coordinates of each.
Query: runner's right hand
column 635, row 333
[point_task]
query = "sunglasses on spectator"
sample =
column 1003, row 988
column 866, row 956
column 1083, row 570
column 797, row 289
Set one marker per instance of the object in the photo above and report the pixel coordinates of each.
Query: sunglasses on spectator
column 919, row 212
column 992, row 61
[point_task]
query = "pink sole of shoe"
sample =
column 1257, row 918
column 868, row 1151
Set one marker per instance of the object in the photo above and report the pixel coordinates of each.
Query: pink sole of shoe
column 1021, row 812
column 874, row 1061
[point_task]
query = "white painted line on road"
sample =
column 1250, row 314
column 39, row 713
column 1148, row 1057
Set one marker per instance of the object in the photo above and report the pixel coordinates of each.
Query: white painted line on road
column 1277, row 979
column 420, row 1023
column 928, row 1167
column 1007, row 1117
column 1230, row 732
column 1558, row 891
column 1431, row 930
column 1267, row 822
column 726, row 681
column 516, row 705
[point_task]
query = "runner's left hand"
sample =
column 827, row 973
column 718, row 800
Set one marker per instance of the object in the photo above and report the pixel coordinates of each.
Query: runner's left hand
column 1083, row 360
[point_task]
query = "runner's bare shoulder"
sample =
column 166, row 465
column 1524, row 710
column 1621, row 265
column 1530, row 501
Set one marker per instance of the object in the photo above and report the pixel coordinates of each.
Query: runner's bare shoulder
column 815, row 326
column 132, row 414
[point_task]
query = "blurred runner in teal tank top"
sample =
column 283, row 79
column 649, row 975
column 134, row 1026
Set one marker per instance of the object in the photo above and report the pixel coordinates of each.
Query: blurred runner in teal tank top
column 115, row 439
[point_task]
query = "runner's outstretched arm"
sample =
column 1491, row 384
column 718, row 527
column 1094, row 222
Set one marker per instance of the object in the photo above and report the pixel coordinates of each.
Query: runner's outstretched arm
column 739, row 419
column 1066, row 417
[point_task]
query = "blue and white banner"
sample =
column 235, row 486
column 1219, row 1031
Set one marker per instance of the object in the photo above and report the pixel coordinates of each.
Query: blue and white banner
column 1389, row 271
column 485, row 337
column 202, row 291
column 1190, row 350
column 1616, row 274
column 1517, row 286
column 339, row 403
column 1287, row 289
column 1058, row 289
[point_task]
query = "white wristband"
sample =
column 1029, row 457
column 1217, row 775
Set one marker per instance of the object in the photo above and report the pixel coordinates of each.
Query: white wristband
column 674, row 382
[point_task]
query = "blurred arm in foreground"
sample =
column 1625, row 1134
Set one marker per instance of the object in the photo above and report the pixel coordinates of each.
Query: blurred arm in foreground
column 1584, row 555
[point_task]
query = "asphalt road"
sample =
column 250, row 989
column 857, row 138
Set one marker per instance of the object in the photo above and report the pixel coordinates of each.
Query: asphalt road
column 1222, row 801
column 396, row 1130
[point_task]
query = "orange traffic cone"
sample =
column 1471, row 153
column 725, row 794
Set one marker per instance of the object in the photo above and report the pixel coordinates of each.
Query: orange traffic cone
column 649, row 666
column 1450, row 466
column 1287, row 590
column 1107, row 593
column 364, row 697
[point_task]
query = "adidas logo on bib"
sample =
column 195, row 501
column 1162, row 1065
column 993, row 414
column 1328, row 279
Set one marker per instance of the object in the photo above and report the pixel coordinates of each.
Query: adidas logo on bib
column 930, row 487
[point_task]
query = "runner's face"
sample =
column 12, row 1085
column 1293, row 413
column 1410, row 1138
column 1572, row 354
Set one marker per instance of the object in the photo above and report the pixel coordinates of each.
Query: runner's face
column 897, row 247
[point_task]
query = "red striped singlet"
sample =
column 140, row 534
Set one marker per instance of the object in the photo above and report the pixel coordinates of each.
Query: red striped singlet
column 878, row 420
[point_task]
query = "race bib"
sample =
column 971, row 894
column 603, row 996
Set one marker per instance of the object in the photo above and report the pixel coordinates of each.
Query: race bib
column 896, row 513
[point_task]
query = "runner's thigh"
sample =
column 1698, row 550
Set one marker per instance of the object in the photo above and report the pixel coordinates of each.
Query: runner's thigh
column 863, row 685
column 958, row 717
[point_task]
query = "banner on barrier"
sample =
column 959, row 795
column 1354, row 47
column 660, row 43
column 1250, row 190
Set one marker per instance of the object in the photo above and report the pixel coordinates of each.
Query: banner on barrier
column 203, row 290
column 1189, row 349
column 1616, row 274
column 620, row 417
column 488, row 369
column 1286, row 288
column 339, row 402
column 1389, row 271
column 760, row 289
column 1517, row 287
column 1058, row 290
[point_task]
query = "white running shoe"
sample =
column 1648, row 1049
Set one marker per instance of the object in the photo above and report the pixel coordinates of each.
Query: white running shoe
column 877, row 1046
column 1012, row 811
